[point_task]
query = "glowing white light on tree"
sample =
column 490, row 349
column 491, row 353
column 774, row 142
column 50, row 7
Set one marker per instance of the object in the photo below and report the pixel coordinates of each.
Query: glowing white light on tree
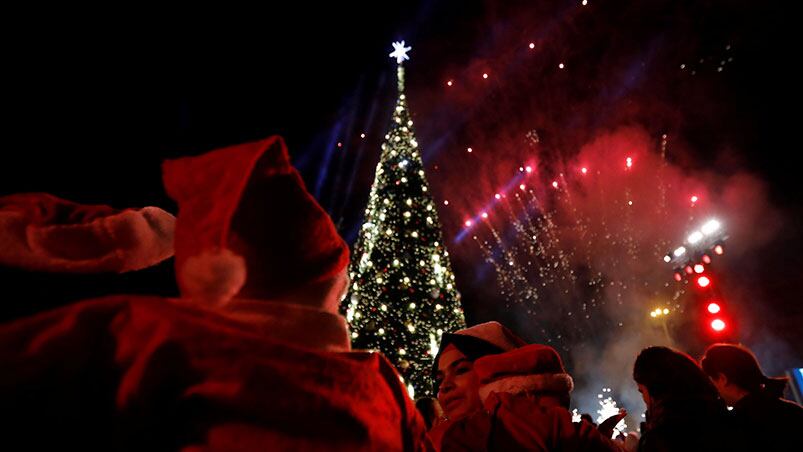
column 433, row 345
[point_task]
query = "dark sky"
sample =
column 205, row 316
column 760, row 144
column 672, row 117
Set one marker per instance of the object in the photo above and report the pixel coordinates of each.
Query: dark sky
column 95, row 100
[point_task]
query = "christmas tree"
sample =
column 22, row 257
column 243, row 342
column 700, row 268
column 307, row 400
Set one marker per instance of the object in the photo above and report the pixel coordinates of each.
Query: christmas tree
column 403, row 294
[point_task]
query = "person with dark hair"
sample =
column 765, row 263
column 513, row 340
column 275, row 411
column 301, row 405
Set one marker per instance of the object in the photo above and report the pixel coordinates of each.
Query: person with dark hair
column 684, row 411
column 756, row 399
column 498, row 393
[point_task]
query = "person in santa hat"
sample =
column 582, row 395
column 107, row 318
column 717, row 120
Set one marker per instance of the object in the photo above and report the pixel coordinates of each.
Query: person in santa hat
column 57, row 251
column 499, row 393
column 252, row 356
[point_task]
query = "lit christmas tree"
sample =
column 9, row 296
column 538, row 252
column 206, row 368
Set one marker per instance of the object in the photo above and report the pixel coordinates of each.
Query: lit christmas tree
column 403, row 294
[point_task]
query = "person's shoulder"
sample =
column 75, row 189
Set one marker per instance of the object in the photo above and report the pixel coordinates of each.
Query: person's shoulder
column 791, row 409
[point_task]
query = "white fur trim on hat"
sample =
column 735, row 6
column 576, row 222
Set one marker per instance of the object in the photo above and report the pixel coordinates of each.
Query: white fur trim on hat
column 119, row 242
column 523, row 383
column 214, row 276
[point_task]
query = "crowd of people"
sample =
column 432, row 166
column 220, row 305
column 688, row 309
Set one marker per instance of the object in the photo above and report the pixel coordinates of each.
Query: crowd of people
column 253, row 354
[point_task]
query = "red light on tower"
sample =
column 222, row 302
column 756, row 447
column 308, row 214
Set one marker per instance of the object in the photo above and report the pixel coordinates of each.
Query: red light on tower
column 554, row 184
column 688, row 270
column 699, row 268
column 703, row 281
column 468, row 223
column 717, row 325
column 678, row 277
column 719, row 250
column 706, row 259
column 713, row 308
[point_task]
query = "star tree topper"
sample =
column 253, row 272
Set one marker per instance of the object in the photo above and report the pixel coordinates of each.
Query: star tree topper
column 400, row 52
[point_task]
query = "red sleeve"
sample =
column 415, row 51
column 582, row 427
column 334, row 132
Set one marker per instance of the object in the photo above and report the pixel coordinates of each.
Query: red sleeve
column 59, row 378
column 414, row 430
column 519, row 423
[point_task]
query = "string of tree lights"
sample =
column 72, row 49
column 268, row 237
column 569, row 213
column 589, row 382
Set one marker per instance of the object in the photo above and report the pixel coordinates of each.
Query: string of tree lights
column 403, row 294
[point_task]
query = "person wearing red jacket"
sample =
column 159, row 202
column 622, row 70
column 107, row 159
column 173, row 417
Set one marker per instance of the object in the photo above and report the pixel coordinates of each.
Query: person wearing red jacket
column 498, row 393
column 252, row 356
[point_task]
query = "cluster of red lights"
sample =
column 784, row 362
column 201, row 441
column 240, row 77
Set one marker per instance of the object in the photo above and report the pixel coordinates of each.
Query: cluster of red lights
column 714, row 308
column 705, row 282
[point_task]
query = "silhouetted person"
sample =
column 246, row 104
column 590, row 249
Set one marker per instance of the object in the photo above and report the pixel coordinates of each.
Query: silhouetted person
column 684, row 411
column 758, row 406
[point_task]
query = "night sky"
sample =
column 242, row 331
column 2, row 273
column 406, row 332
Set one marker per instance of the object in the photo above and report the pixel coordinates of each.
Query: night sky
column 95, row 100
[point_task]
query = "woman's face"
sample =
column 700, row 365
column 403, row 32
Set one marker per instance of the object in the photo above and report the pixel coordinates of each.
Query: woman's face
column 458, row 392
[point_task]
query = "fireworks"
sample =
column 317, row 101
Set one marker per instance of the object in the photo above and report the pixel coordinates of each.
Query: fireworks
column 573, row 251
column 608, row 408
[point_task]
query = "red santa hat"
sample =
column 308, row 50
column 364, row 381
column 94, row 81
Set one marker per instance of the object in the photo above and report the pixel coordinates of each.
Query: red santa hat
column 504, row 362
column 246, row 225
column 532, row 368
column 41, row 232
